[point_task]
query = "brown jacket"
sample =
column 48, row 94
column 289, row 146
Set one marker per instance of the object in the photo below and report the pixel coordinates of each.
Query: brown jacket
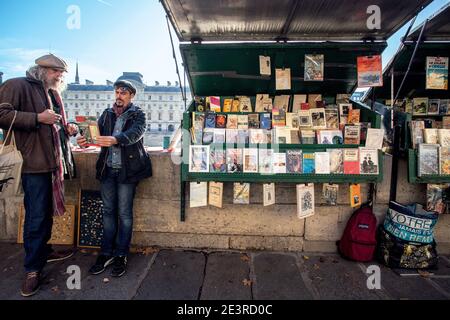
column 34, row 140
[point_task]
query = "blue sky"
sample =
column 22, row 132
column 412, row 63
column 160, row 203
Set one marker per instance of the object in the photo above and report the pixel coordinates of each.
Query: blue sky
column 114, row 36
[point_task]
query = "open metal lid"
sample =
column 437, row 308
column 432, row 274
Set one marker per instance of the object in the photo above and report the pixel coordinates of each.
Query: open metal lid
column 437, row 28
column 293, row 20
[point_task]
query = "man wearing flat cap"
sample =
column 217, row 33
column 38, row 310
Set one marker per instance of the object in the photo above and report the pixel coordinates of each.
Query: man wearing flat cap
column 122, row 163
column 32, row 107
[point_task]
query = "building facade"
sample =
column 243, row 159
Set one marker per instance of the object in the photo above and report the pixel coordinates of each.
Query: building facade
column 163, row 104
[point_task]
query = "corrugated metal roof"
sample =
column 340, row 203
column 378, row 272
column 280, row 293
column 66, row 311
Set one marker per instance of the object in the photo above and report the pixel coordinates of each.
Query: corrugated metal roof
column 294, row 20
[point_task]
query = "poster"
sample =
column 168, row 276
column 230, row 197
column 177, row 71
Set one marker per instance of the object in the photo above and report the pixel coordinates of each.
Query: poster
column 283, row 79
column 314, row 67
column 437, row 73
column 370, row 71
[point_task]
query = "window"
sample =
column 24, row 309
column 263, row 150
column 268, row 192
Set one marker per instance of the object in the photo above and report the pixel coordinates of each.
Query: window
column 109, row 97
column 171, row 116
column 98, row 114
column 87, row 96
column 98, row 97
column 149, row 98
column 159, row 116
column 76, row 105
column 171, row 107
column 171, row 98
column 149, row 116
column 76, row 96
column 160, row 98
column 98, row 105
column 76, row 113
column 159, row 127
column 171, row 128
column 82, row 104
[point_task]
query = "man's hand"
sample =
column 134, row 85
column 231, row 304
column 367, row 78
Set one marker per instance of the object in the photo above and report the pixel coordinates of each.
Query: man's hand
column 72, row 129
column 49, row 117
column 106, row 141
column 82, row 141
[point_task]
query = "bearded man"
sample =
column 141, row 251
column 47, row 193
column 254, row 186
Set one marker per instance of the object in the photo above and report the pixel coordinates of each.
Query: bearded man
column 33, row 108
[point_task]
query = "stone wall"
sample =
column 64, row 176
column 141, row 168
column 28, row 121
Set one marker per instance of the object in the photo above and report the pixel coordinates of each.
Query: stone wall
column 157, row 213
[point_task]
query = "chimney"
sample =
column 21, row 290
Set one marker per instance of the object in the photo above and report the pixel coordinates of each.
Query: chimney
column 89, row 82
column 169, row 83
column 176, row 83
column 1, row 77
column 156, row 83
column 109, row 83
column 77, row 76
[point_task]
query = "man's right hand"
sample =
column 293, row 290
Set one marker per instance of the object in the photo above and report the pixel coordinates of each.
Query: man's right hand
column 49, row 117
column 82, row 141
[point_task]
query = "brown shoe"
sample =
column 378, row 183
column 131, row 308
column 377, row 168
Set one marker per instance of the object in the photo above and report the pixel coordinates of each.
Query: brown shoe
column 59, row 255
column 31, row 284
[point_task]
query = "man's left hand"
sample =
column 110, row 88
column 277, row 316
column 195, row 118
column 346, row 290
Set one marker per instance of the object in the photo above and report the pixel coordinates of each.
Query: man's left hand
column 72, row 129
column 106, row 141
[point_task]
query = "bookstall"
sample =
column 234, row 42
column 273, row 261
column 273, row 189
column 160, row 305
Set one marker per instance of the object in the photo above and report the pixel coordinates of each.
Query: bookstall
column 279, row 110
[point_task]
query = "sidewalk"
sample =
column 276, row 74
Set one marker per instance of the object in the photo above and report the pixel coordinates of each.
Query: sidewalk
column 212, row 275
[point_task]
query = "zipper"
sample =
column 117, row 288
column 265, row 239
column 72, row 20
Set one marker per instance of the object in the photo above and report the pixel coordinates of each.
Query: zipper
column 107, row 150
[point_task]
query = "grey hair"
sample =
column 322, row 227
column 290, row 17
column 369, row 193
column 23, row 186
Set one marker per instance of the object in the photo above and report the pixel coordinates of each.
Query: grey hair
column 40, row 73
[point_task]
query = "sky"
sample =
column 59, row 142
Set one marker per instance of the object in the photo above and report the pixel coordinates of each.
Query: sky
column 112, row 37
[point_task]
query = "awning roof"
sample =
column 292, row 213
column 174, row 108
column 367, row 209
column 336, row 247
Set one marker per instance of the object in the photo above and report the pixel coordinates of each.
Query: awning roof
column 294, row 20
column 437, row 28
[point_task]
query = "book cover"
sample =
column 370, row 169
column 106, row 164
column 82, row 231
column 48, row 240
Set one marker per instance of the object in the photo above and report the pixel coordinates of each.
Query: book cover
column 265, row 68
column 368, row 161
column 336, row 161
column 352, row 134
column 309, row 162
column 370, row 71
column 292, row 120
column 313, row 99
column 197, row 136
column 354, row 116
column 375, row 138
column 364, row 127
column 278, row 118
column 308, row 136
column 305, row 200
column 444, row 160
column 417, row 133
column 263, row 103
column 232, row 121
column 236, row 105
column 322, row 164
column 265, row 161
column 344, row 111
column 198, row 120
column 343, row 98
column 241, row 193
column 294, row 161
column 304, row 119
column 437, row 73
column 214, row 104
column 221, row 121
column 430, row 136
column 355, row 195
column 444, row 106
column 243, row 136
column 282, row 135
column 283, row 79
column 420, row 106
column 330, row 193
column 444, row 137
column 251, row 160
column 231, row 135
column 198, row 194
column 433, row 106
column 269, row 138
column 279, row 162
column 318, row 118
column 253, row 121
column 435, row 198
column 219, row 136
column 216, row 194
column 199, row 158
column 210, row 120
column 314, row 65
column 298, row 100
column 200, row 104
column 234, row 160
column 245, row 104
column 445, row 122
column 281, row 103
column 89, row 129
column 227, row 104
column 218, row 161
column 332, row 118
column 295, row 136
column 330, row 137
column 351, row 161
column 409, row 106
column 208, row 136
column 243, row 121
column 269, row 194
column 266, row 121
column 428, row 162
column 257, row 136
column 305, row 106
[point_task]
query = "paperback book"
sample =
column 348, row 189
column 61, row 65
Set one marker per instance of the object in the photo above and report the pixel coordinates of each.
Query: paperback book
column 305, row 200
column 294, row 161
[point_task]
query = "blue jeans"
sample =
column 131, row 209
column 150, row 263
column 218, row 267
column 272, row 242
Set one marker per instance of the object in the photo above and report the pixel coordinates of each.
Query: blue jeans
column 117, row 214
column 38, row 224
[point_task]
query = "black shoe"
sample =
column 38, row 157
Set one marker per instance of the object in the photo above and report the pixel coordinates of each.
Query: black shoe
column 31, row 284
column 119, row 267
column 101, row 264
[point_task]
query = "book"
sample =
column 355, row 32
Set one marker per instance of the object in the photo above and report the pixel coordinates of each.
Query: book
column 344, row 111
column 444, row 106
column 312, row 100
column 409, row 106
column 243, row 121
column 437, row 73
column 420, row 106
column 251, row 160
column 352, row 134
column 433, row 106
column 257, row 136
column 232, row 121
column 231, row 135
column 218, row 161
column 435, row 198
column 294, row 161
column 444, row 160
column 308, row 136
column 241, row 193
column 351, row 161
column 314, row 67
column 336, row 161
column 318, row 118
column 330, row 193
column 214, row 104
column 268, row 134
column 279, row 162
column 354, row 116
column 219, row 136
column 417, row 133
column 263, row 103
column 283, row 79
column 235, row 106
column 269, row 194
column 199, row 158
column 200, row 104
column 355, row 195
column 428, row 159
column 265, row 66
column 445, row 122
column 364, row 127
column 198, row 194
column 330, row 137
column 370, row 71
column 281, row 102
column 295, row 136
column 265, row 161
column 305, row 200
column 332, row 118
column 253, row 121
column 278, row 118
column 368, row 161
column 210, row 120
column 322, row 163
column 198, row 120
column 243, row 136
column 234, row 160
column 245, row 104
column 89, row 129
column 208, row 136
column 343, row 98
column 292, row 120
column 266, row 121
column 216, row 194
column 227, row 104
column 282, row 135
column 305, row 106
column 309, row 162
column 444, row 137
column 298, row 100
column 375, row 138
column 221, row 121
column 197, row 136
column 430, row 136
column 304, row 119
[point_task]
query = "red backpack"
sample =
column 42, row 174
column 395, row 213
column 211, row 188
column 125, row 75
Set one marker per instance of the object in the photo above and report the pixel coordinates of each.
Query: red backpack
column 358, row 242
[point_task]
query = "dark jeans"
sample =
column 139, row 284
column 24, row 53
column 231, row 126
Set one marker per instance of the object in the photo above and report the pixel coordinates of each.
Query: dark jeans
column 38, row 224
column 117, row 214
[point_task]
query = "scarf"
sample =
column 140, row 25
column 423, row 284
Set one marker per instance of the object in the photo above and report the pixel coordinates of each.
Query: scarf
column 119, row 110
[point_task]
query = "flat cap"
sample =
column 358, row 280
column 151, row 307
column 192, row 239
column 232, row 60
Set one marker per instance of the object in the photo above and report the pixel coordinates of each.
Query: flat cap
column 52, row 61
column 125, row 84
